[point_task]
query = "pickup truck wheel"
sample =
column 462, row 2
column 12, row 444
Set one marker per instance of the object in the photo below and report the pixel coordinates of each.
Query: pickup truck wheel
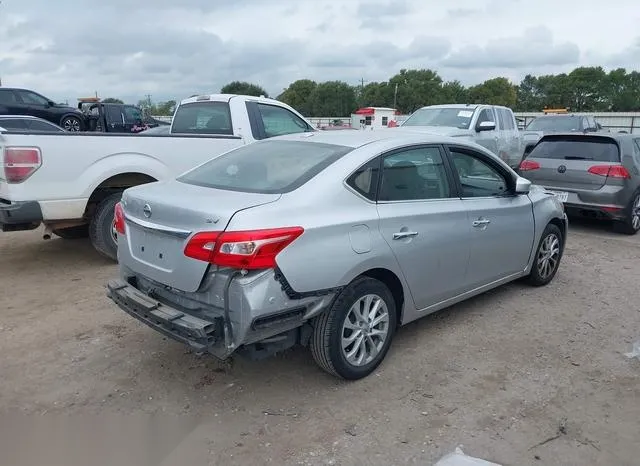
column 351, row 339
column 81, row 231
column 547, row 258
column 71, row 123
column 101, row 230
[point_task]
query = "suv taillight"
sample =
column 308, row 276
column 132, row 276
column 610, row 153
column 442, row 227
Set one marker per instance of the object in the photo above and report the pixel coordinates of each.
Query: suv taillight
column 20, row 163
column 255, row 249
column 528, row 165
column 612, row 171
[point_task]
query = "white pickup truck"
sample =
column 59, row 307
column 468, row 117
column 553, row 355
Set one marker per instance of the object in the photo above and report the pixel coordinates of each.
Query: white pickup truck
column 70, row 182
column 491, row 126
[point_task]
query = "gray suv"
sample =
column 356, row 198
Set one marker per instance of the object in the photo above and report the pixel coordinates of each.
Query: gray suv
column 594, row 175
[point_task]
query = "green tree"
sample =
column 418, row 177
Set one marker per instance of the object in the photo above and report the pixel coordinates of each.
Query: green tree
column 243, row 88
column 416, row 88
column 376, row 94
column 624, row 90
column 589, row 87
column 298, row 95
column 333, row 98
column 111, row 100
column 453, row 92
column 165, row 108
column 496, row 91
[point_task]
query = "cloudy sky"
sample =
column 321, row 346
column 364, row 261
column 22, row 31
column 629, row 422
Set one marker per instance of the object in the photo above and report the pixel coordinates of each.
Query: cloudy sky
column 67, row 49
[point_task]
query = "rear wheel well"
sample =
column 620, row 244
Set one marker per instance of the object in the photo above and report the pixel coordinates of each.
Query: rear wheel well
column 115, row 184
column 394, row 284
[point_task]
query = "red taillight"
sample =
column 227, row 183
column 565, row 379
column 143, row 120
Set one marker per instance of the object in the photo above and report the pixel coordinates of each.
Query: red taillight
column 256, row 249
column 527, row 165
column 118, row 218
column 20, row 163
column 612, row 171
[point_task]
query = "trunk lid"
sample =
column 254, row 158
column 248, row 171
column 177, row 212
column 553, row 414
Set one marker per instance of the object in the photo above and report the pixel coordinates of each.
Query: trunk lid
column 161, row 217
column 564, row 161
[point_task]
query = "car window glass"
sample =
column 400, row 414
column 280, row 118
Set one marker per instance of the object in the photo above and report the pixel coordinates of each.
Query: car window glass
column 486, row 115
column 269, row 166
column 13, row 124
column 500, row 121
column 365, row 179
column 132, row 115
column 113, row 114
column 203, row 118
column 576, row 148
column 636, row 148
column 477, row 177
column 32, row 98
column 38, row 125
column 414, row 174
column 278, row 121
column 508, row 119
column 7, row 97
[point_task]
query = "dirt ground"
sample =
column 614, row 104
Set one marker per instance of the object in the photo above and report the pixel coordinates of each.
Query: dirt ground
column 498, row 374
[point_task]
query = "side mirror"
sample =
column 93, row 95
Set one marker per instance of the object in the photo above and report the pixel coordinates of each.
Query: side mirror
column 523, row 186
column 50, row 103
column 486, row 126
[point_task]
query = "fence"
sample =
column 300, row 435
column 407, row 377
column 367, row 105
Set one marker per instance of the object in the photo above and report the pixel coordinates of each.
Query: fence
column 613, row 121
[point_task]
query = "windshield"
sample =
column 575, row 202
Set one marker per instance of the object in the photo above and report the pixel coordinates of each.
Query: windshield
column 555, row 123
column 268, row 167
column 441, row 116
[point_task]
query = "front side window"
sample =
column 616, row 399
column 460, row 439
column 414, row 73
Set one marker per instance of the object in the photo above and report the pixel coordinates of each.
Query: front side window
column 132, row 115
column 203, row 118
column 32, row 98
column 486, row 115
column 113, row 114
column 278, row 121
column 268, row 167
column 414, row 174
column 477, row 177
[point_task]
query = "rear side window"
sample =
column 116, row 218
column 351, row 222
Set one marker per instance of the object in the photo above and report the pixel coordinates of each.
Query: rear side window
column 596, row 149
column 203, row 118
column 365, row 179
column 7, row 97
column 17, row 124
column 269, row 167
column 508, row 119
column 38, row 125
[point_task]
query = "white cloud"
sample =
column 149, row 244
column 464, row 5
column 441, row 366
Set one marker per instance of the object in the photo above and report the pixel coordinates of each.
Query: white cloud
column 122, row 48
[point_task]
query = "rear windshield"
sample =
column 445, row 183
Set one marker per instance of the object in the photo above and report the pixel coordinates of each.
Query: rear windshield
column 596, row 149
column 268, row 167
column 555, row 123
column 203, row 118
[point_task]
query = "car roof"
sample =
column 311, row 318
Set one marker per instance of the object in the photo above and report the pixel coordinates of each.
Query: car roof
column 360, row 138
column 224, row 98
column 22, row 117
column 595, row 135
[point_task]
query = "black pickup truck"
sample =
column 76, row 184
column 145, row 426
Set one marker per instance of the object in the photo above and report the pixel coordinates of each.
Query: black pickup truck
column 115, row 117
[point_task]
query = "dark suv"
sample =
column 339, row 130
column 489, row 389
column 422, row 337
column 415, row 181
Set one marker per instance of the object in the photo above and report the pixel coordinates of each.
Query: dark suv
column 26, row 102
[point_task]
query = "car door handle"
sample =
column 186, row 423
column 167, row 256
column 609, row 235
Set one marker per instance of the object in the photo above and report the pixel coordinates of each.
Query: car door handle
column 405, row 234
column 481, row 223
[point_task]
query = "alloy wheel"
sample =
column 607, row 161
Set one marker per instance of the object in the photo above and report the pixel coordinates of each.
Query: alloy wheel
column 635, row 213
column 365, row 330
column 71, row 124
column 548, row 255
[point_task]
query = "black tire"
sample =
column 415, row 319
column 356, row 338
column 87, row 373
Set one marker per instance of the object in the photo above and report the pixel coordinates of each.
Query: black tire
column 71, row 123
column 326, row 341
column 79, row 232
column 628, row 226
column 100, row 227
column 536, row 276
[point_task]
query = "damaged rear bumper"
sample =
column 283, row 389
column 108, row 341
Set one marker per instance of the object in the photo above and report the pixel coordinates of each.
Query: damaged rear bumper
column 202, row 335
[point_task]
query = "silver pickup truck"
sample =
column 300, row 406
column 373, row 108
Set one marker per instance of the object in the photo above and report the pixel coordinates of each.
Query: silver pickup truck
column 491, row 126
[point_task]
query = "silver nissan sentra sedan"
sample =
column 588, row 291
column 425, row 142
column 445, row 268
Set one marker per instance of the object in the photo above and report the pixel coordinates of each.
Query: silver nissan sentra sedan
column 328, row 240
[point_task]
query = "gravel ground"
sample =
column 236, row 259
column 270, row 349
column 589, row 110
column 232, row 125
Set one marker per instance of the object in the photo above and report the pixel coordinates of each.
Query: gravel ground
column 498, row 374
